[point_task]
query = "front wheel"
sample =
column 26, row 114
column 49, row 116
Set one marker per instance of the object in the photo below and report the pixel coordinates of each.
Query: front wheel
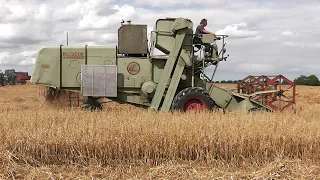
column 192, row 99
column 92, row 104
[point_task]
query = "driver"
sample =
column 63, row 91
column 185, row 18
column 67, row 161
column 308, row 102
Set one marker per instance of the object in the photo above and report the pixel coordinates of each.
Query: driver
column 201, row 30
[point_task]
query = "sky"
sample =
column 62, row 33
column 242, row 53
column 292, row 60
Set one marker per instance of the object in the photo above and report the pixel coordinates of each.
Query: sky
column 266, row 37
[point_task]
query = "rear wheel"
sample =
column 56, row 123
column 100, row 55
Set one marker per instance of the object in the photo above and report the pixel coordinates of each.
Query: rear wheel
column 192, row 99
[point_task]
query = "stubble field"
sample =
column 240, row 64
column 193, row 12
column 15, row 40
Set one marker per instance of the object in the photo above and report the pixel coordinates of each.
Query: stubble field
column 42, row 140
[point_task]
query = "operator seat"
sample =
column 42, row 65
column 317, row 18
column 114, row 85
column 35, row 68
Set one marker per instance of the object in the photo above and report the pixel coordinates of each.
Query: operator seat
column 197, row 42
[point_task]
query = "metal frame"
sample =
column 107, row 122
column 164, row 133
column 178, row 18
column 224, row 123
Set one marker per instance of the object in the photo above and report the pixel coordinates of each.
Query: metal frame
column 104, row 85
column 260, row 87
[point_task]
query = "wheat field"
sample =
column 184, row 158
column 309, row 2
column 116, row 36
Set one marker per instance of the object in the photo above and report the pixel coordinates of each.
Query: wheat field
column 44, row 140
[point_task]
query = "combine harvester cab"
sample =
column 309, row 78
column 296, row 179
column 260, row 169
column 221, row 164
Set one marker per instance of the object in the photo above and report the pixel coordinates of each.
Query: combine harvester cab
column 131, row 73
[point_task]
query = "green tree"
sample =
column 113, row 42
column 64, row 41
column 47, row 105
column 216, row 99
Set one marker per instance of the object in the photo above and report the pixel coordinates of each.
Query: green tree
column 300, row 80
column 311, row 80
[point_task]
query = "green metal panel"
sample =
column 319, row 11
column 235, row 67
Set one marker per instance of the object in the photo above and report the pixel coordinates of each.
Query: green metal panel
column 207, row 38
column 230, row 101
column 170, row 36
column 132, row 96
column 164, row 35
column 101, row 55
column 47, row 67
column 173, row 85
column 164, row 40
column 72, row 59
column 158, row 68
column 221, row 96
column 167, row 72
column 133, row 72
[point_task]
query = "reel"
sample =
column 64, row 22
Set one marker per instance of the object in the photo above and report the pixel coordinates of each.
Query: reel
column 279, row 101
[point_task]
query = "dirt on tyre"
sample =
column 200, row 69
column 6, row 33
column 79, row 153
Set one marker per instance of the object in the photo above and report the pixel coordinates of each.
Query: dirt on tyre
column 192, row 99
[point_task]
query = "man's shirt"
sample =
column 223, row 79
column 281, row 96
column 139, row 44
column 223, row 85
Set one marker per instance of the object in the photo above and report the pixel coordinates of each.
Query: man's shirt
column 200, row 29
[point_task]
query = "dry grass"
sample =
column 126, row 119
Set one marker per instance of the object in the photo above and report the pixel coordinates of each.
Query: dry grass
column 40, row 139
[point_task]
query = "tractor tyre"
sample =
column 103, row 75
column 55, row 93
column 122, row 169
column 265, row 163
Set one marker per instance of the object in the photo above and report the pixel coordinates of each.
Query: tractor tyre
column 192, row 99
column 92, row 104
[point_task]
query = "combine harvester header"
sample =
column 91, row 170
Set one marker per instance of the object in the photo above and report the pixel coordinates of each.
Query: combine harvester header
column 280, row 101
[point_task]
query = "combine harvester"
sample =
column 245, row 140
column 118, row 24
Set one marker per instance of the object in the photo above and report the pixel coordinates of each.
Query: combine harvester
column 130, row 73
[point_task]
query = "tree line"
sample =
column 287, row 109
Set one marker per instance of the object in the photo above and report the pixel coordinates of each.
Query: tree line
column 311, row 80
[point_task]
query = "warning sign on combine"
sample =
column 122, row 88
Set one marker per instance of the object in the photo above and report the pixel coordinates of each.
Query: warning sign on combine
column 73, row 55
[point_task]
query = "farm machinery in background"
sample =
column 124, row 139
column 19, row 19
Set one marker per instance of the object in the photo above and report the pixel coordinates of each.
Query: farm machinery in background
column 1, row 79
column 131, row 73
column 11, row 77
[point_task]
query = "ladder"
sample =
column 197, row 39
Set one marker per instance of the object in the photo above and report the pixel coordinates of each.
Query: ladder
column 74, row 98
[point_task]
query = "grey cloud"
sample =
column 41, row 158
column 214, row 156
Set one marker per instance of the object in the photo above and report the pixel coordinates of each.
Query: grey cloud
column 7, row 46
column 34, row 55
column 63, row 27
column 29, row 34
column 238, row 31
column 179, row 4
column 14, row 59
column 106, row 11
column 83, row 36
column 3, row 12
column 13, row 16
column 25, row 40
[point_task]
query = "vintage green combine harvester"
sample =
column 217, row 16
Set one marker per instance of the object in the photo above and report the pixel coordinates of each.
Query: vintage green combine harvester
column 131, row 73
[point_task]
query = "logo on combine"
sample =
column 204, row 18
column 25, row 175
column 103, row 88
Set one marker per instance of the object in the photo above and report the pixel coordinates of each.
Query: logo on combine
column 133, row 68
column 73, row 55
column 45, row 66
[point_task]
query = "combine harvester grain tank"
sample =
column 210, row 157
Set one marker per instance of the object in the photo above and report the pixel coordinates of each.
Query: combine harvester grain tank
column 130, row 73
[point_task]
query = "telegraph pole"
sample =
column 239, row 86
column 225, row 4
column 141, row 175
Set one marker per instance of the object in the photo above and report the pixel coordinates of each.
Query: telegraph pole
column 67, row 39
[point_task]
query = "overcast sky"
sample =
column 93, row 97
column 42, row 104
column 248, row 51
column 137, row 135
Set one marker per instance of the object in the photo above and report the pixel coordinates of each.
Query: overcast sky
column 265, row 37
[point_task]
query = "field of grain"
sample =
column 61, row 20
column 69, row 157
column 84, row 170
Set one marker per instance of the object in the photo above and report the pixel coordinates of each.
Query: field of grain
column 42, row 140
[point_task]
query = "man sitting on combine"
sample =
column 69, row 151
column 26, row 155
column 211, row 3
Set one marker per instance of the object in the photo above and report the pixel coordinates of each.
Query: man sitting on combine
column 201, row 30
